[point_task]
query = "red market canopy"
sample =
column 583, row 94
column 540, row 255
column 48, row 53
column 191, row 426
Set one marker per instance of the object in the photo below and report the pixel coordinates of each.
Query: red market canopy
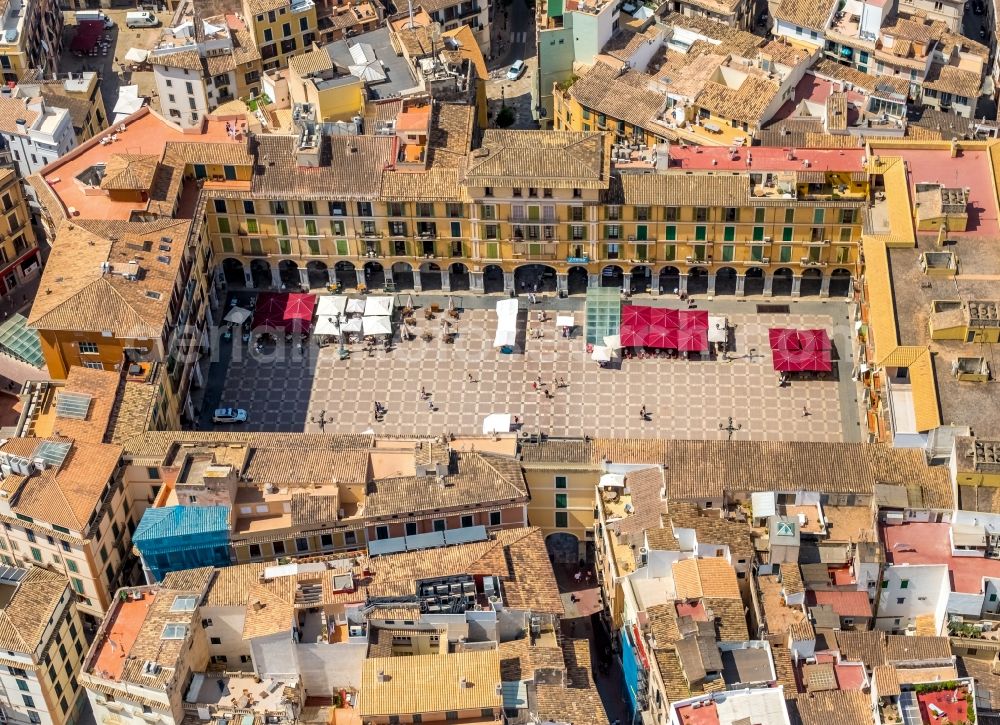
column 795, row 351
column 284, row 311
column 664, row 328
column 87, row 35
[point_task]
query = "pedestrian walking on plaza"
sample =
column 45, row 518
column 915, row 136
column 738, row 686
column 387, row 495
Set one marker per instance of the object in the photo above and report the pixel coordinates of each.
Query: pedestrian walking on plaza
column 430, row 405
column 534, row 386
column 472, row 379
column 642, row 413
column 423, row 393
column 805, row 412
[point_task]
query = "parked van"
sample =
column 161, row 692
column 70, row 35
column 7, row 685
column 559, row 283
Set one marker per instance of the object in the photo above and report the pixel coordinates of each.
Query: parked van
column 84, row 15
column 141, row 19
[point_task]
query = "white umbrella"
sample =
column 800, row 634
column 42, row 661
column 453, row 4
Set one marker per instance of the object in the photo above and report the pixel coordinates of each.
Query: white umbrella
column 601, row 354
column 237, row 315
column 613, row 341
column 496, row 423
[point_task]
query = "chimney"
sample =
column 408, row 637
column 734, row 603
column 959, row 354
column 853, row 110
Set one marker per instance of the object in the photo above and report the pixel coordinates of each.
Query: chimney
column 22, row 125
column 380, row 676
column 463, row 683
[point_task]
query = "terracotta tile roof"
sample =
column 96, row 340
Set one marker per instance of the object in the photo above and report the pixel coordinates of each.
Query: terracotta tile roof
column 731, row 39
column 394, row 612
column 132, row 411
column 78, row 108
column 430, row 684
column 24, row 619
column 430, row 185
column 66, row 495
column 219, row 152
column 354, row 170
column 791, row 579
column 662, row 539
column 867, row 647
column 901, row 648
column 313, row 61
column 102, row 386
column 730, row 618
column 184, row 59
column 267, row 613
column 849, row 707
column 686, row 190
column 646, row 486
column 481, row 478
column 784, row 670
column 75, row 293
column 521, row 660
column 309, row 509
column 257, row 7
column 626, row 97
column 216, row 65
column 807, row 13
column 579, row 701
column 554, row 159
column 675, row 684
column 886, row 681
column 710, row 528
column 697, row 578
column 745, row 104
column 949, row 79
column 558, row 451
column 130, row 172
column 284, row 467
column 13, row 110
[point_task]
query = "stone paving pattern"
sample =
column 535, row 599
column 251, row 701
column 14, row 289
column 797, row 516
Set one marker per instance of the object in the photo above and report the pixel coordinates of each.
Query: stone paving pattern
column 686, row 399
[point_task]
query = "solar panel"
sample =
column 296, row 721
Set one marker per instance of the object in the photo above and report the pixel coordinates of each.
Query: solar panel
column 12, row 573
column 53, row 452
column 73, row 405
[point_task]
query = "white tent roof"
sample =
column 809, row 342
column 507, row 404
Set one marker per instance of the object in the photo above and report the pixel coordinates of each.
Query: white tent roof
column 613, row 341
column 496, row 423
column 356, row 306
column 129, row 101
column 353, row 324
column 601, row 354
column 717, row 330
column 331, row 305
column 642, row 13
column 366, row 65
column 238, row 315
column 377, row 325
column 136, row 55
column 612, row 480
column 379, row 306
column 325, row 326
column 565, row 321
column 506, row 323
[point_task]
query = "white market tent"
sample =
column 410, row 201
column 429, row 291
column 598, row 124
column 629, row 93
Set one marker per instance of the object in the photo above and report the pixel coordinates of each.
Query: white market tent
column 238, row 315
column 129, row 101
column 352, row 324
column 565, row 321
column 331, row 305
column 376, row 325
column 612, row 480
column 136, row 55
column 506, row 324
column 496, row 423
column 717, row 329
column 614, row 342
column 325, row 325
column 601, row 354
column 356, row 306
column 379, row 306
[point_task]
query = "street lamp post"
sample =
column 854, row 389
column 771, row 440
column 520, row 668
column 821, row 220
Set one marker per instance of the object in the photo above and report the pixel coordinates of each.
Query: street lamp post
column 730, row 428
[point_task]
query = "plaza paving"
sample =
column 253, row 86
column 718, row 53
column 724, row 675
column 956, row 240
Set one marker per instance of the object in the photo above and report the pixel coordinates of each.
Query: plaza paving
column 685, row 398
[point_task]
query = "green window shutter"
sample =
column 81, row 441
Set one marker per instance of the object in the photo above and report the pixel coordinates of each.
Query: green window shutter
column 729, row 234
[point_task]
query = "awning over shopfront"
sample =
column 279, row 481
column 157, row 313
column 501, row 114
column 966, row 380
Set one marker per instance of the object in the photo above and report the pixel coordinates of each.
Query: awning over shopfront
column 800, row 350
column 284, row 311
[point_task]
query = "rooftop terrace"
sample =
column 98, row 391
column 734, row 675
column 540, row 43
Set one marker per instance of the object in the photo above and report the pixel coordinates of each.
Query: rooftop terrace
column 920, row 543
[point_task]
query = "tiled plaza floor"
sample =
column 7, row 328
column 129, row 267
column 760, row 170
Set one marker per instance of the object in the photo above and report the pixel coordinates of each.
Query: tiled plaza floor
column 685, row 398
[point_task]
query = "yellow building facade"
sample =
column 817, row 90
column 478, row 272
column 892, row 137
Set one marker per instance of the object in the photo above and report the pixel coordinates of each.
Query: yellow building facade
column 281, row 29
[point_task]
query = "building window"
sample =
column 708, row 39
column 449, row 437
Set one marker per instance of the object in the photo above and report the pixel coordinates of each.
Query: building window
column 467, row 521
column 411, row 528
column 88, row 348
column 381, row 532
column 440, row 524
column 561, row 500
column 302, row 543
column 215, row 640
column 562, row 520
column 560, row 481
column 350, row 538
column 326, row 541
column 495, row 521
column 279, row 548
column 28, row 701
column 254, row 551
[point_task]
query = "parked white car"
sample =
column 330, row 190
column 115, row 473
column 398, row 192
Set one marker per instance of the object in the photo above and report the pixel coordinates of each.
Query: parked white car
column 229, row 415
column 516, row 70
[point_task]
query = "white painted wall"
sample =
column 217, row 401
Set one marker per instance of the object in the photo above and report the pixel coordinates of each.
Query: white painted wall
column 326, row 667
column 926, row 593
column 175, row 98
